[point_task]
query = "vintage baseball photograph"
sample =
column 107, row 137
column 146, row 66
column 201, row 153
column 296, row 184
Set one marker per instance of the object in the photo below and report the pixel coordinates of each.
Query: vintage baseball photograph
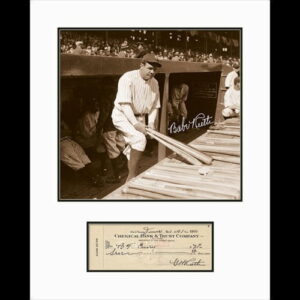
column 149, row 114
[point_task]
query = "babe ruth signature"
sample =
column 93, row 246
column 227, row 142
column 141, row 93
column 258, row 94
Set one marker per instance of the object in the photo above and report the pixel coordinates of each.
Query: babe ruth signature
column 199, row 121
column 187, row 262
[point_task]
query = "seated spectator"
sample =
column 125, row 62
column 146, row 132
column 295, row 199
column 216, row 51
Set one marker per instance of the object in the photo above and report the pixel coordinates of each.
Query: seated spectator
column 71, row 48
column 125, row 43
column 190, row 59
column 78, row 50
column 197, row 58
column 132, row 54
column 165, row 55
column 88, row 50
column 63, row 48
column 170, row 55
column 210, row 58
column 94, row 50
column 107, row 48
column 159, row 56
column 232, row 100
column 123, row 53
column 140, row 47
column 101, row 52
column 181, row 57
column 176, row 57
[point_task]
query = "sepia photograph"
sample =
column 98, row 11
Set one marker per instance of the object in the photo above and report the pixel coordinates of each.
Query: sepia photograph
column 149, row 114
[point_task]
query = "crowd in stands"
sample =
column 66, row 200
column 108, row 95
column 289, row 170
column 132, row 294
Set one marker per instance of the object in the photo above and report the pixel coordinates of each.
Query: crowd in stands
column 75, row 43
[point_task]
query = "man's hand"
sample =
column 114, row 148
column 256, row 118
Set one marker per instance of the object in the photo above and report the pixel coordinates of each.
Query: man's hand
column 140, row 127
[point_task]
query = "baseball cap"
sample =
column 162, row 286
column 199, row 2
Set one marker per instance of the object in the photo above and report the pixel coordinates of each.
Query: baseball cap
column 151, row 59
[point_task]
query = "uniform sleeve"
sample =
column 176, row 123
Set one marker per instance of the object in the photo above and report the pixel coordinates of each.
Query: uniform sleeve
column 153, row 112
column 124, row 94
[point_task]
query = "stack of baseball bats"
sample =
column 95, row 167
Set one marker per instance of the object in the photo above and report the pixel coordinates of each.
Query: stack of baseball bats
column 191, row 155
column 172, row 179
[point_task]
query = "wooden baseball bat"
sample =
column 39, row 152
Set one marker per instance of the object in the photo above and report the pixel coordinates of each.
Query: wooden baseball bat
column 189, row 190
column 232, row 126
column 223, row 126
column 230, row 159
column 218, row 149
column 211, row 168
column 225, row 132
column 220, row 182
column 189, row 158
column 216, row 164
column 187, row 149
column 232, row 121
column 162, row 191
column 195, row 173
column 217, row 141
column 216, row 187
column 142, row 193
column 209, row 183
column 210, row 173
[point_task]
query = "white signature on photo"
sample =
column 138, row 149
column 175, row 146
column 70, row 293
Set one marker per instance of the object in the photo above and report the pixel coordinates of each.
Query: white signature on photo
column 199, row 121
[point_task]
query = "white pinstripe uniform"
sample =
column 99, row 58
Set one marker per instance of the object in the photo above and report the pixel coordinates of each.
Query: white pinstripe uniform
column 229, row 80
column 143, row 97
column 231, row 98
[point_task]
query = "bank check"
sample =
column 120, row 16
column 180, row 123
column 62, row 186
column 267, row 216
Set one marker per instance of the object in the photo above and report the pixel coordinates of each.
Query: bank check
column 150, row 246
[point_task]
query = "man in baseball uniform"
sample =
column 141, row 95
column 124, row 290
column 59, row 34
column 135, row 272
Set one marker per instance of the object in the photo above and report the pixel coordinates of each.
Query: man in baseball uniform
column 232, row 99
column 137, row 97
column 232, row 75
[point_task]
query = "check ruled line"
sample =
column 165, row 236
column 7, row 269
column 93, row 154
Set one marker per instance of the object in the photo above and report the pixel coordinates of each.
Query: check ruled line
column 158, row 252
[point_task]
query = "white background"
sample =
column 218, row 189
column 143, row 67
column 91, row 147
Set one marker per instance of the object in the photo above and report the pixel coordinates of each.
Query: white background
column 58, row 229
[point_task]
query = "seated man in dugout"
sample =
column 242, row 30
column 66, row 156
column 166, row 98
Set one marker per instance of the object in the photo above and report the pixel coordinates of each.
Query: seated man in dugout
column 73, row 156
column 89, row 138
column 113, row 139
column 177, row 111
column 232, row 100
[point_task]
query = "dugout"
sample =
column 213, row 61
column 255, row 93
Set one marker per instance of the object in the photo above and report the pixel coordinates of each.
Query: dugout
column 82, row 77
